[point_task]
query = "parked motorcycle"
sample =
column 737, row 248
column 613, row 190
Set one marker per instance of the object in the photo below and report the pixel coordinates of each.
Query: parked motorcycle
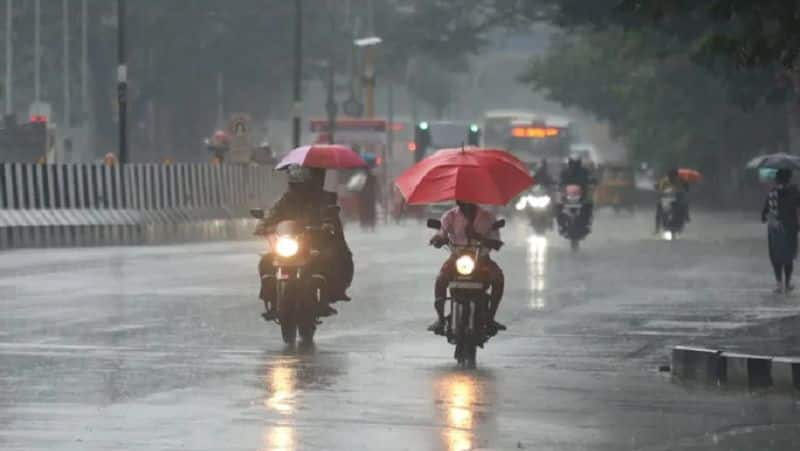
column 573, row 219
column 538, row 206
column 468, row 318
column 299, row 289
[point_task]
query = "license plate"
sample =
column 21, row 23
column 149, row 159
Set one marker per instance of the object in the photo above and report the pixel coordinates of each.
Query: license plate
column 466, row 285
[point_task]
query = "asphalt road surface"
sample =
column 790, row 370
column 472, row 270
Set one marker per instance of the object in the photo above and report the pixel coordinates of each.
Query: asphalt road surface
column 161, row 348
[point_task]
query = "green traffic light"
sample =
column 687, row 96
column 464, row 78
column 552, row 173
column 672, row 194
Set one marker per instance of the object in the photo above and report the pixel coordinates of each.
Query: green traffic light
column 474, row 128
column 423, row 125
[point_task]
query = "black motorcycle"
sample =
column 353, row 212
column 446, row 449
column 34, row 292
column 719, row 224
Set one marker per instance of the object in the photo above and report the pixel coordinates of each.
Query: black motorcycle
column 467, row 324
column 299, row 289
column 572, row 218
column 673, row 216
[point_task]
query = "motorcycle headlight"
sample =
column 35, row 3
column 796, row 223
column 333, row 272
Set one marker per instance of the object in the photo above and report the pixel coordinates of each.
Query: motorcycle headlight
column 286, row 246
column 539, row 201
column 465, row 265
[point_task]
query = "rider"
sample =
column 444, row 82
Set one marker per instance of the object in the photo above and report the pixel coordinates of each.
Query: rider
column 542, row 175
column 672, row 182
column 576, row 174
column 459, row 224
column 307, row 201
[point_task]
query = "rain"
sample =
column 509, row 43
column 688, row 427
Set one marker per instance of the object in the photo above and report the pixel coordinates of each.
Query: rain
column 283, row 225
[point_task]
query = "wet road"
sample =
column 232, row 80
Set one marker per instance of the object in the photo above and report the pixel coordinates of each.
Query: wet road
column 162, row 348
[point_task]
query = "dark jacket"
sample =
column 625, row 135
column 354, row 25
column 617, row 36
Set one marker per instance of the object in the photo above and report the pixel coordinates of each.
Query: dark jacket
column 782, row 203
column 576, row 176
column 309, row 207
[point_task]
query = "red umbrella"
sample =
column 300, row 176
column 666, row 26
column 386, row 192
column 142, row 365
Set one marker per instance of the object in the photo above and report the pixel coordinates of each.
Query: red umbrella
column 690, row 175
column 481, row 176
column 324, row 156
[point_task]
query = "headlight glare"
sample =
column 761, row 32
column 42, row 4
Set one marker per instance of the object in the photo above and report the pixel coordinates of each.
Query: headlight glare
column 539, row 201
column 286, row 246
column 465, row 265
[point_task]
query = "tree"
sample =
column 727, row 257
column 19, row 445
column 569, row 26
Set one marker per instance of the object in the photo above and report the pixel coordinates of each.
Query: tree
column 668, row 111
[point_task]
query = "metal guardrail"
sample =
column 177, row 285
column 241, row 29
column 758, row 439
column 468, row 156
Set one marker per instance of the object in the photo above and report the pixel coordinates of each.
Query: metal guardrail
column 134, row 186
column 84, row 204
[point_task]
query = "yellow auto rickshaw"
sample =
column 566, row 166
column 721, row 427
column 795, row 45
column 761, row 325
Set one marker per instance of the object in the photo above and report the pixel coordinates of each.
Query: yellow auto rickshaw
column 616, row 187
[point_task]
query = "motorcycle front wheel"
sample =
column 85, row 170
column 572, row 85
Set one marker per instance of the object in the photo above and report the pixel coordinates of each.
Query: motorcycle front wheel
column 287, row 312
column 307, row 323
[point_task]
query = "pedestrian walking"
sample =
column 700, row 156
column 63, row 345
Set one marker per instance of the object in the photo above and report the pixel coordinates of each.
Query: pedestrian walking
column 780, row 214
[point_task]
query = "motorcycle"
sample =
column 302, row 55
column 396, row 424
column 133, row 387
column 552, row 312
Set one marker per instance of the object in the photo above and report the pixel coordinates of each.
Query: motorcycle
column 538, row 206
column 299, row 291
column 673, row 218
column 466, row 325
column 573, row 224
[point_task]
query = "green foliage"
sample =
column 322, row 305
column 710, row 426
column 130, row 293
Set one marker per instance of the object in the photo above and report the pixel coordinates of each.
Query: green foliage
column 666, row 109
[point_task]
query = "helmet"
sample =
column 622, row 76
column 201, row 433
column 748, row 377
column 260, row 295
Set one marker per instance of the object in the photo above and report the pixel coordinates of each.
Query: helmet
column 574, row 160
column 298, row 174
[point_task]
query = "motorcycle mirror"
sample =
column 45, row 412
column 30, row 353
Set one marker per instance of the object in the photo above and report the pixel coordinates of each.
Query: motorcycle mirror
column 499, row 224
column 257, row 213
column 434, row 224
column 494, row 245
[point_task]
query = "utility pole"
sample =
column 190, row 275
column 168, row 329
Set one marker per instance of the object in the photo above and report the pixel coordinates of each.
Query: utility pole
column 330, row 103
column 37, row 60
column 390, row 118
column 297, row 104
column 122, row 83
column 84, row 62
column 9, row 57
column 220, row 101
column 65, row 29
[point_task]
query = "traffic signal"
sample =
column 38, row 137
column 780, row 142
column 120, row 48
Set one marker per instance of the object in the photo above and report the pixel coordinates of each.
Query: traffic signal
column 422, row 140
column 473, row 135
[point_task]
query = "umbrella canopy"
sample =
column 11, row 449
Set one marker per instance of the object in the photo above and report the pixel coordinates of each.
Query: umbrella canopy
column 323, row 156
column 481, row 176
column 690, row 175
column 775, row 161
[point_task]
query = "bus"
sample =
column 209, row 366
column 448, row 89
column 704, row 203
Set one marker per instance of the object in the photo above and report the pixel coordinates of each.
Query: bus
column 530, row 136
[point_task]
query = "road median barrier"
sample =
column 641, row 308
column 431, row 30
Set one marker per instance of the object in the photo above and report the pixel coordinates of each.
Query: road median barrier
column 93, row 204
column 721, row 368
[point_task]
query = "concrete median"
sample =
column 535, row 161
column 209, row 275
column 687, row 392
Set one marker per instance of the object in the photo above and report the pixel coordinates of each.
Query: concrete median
column 754, row 372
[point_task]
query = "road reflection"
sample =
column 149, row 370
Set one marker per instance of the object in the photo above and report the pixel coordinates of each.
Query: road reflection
column 279, row 438
column 462, row 400
column 537, row 259
column 287, row 378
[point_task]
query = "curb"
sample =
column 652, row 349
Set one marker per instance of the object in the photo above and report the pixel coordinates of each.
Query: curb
column 717, row 367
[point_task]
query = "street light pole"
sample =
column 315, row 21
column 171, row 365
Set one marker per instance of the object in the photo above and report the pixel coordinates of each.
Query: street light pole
column 37, row 10
column 9, row 57
column 122, row 83
column 84, row 62
column 297, row 105
column 65, row 30
column 330, row 104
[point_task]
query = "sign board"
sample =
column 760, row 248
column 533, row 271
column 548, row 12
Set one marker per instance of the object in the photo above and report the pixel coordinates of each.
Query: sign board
column 239, row 125
column 239, row 128
column 364, row 133
column 353, row 107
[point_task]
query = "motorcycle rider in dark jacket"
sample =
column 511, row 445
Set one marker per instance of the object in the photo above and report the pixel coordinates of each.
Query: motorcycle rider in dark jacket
column 307, row 201
column 576, row 174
